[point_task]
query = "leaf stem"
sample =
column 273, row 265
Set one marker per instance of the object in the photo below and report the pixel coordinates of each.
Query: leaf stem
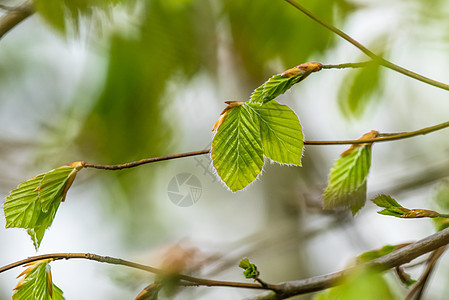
column 368, row 52
column 384, row 137
column 348, row 65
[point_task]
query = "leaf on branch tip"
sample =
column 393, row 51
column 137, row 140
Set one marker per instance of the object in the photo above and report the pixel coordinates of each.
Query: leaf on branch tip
column 393, row 208
column 280, row 83
column 33, row 204
column 250, row 270
column 249, row 132
column 347, row 179
column 37, row 283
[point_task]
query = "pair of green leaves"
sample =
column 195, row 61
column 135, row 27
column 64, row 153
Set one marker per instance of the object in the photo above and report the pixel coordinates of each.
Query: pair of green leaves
column 246, row 131
column 392, row 208
column 37, row 283
column 33, row 204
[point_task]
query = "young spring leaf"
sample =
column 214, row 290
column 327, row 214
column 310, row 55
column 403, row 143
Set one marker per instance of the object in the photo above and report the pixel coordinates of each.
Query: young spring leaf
column 247, row 131
column 250, row 270
column 282, row 138
column 347, row 180
column 280, row 83
column 393, row 208
column 37, row 283
column 237, row 152
column 33, row 204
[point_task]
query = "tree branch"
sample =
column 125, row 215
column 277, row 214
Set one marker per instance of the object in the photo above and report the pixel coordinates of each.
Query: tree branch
column 191, row 281
column 383, row 137
column 283, row 290
column 15, row 16
column 391, row 260
column 368, row 52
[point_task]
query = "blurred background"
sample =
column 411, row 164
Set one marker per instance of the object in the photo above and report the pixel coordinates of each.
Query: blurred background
column 113, row 81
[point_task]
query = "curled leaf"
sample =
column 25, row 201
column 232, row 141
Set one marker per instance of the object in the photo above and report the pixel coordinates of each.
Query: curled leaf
column 393, row 208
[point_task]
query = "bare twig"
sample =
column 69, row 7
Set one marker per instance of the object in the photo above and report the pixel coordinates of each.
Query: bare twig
column 383, row 138
column 368, row 52
column 348, row 65
column 15, row 16
column 418, row 289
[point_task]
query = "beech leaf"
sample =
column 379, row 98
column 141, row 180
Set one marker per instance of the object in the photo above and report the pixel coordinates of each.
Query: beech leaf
column 347, row 179
column 33, row 204
column 237, row 153
column 36, row 283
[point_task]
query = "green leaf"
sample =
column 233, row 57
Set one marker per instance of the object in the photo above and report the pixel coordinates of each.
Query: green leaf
column 358, row 89
column 250, row 270
column 281, row 132
column 237, row 148
column 391, row 206
column 37, row 283
column 280, row 83
column 373, row 254
column 364, row 284
column 33, row 204
column 347, row 180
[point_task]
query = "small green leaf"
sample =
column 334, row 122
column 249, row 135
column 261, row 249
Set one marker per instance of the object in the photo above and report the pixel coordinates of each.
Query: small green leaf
column 347, row 180
column 37, row 283
column 237, row 148
column 392, row 208
column 33, row 204
column 250, row 270
column 280, row 83
column 282, row 138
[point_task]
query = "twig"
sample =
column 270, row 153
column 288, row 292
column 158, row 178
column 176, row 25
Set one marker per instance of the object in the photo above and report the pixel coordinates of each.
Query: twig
column 368, row 52
column 117, row 261
column 391, row 260
column 348, row 65
column 15, row 16
column 418, row 288
column 383, row 138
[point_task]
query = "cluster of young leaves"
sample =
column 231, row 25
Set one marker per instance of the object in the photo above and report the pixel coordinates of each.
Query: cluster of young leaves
column 37, row 283
column 246, row 131
column 392, row 208
column 33, row 204
column 250, row 270
column 347, row 179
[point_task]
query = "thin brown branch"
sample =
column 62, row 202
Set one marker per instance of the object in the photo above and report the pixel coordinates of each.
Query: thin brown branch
column 283, row 290
column 117, row 261
column 418, row 289
column 368, row 52
column 15, row 16
column 384, row 137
